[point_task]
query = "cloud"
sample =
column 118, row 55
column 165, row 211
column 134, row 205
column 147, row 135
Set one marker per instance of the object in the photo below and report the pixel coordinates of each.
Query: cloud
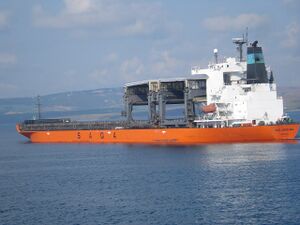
column 78, row 6
column 132, row 69
column 118, row 71
column 111, row 57
column 165, row 64
column 114, row 17
column 115, row 71
column 138, row 27
column 7, row 90
column 7, row 58
column 290, row 2
column 3, row 19
column 225, row 23
column 99, row 76
column 292, row 35
column 160, row 64
column 77, row 13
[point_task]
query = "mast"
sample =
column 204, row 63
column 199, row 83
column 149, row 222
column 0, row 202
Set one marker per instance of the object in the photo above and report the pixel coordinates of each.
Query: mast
column 240, row 42
column 38, row 105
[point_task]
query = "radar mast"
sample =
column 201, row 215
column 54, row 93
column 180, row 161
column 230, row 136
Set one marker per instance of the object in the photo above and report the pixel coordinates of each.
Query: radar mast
column 240, row 42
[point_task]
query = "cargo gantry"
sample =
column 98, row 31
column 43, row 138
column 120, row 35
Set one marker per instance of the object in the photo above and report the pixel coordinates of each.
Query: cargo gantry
column 157, row 94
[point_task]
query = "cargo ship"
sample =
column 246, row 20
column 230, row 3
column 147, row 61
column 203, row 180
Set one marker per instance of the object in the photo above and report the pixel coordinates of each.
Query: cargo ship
column 232, row 100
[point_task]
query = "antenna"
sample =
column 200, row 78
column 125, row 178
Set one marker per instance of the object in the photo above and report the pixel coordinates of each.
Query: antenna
column 247, row 36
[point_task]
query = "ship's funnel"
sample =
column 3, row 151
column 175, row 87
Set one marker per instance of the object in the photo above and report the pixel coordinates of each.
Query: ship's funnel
column 256, row 69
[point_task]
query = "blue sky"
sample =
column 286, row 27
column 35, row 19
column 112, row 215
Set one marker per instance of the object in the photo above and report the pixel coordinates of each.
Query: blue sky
column 65, row 45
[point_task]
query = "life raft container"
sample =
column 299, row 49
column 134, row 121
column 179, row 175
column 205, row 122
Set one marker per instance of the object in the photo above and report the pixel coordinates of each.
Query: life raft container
column 209, row 108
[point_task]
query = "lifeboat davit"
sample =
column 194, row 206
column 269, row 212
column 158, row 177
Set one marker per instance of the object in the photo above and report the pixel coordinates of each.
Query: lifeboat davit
column 211, row 108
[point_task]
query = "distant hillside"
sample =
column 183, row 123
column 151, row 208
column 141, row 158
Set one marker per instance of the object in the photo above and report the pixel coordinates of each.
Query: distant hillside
column 66, row 101
column 66, row 104
column 291, row 98
column 94, row 104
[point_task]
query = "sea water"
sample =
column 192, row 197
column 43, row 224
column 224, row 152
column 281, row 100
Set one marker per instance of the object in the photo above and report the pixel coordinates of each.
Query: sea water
column 257, row 183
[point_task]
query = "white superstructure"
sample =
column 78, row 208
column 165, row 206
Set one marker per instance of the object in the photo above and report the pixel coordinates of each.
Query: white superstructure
column 233, row 92
column 237, row 99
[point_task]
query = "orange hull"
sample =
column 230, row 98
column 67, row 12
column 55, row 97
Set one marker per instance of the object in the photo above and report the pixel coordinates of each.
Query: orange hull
column 180, row 136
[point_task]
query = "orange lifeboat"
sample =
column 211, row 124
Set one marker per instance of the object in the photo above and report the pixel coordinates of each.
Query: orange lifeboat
column 209, row 108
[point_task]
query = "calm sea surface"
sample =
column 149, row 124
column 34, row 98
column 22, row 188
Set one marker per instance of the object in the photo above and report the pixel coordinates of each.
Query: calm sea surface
column 118, row 184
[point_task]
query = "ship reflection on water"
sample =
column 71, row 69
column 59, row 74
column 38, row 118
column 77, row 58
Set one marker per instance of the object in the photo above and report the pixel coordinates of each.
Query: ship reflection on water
column 237, row 154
